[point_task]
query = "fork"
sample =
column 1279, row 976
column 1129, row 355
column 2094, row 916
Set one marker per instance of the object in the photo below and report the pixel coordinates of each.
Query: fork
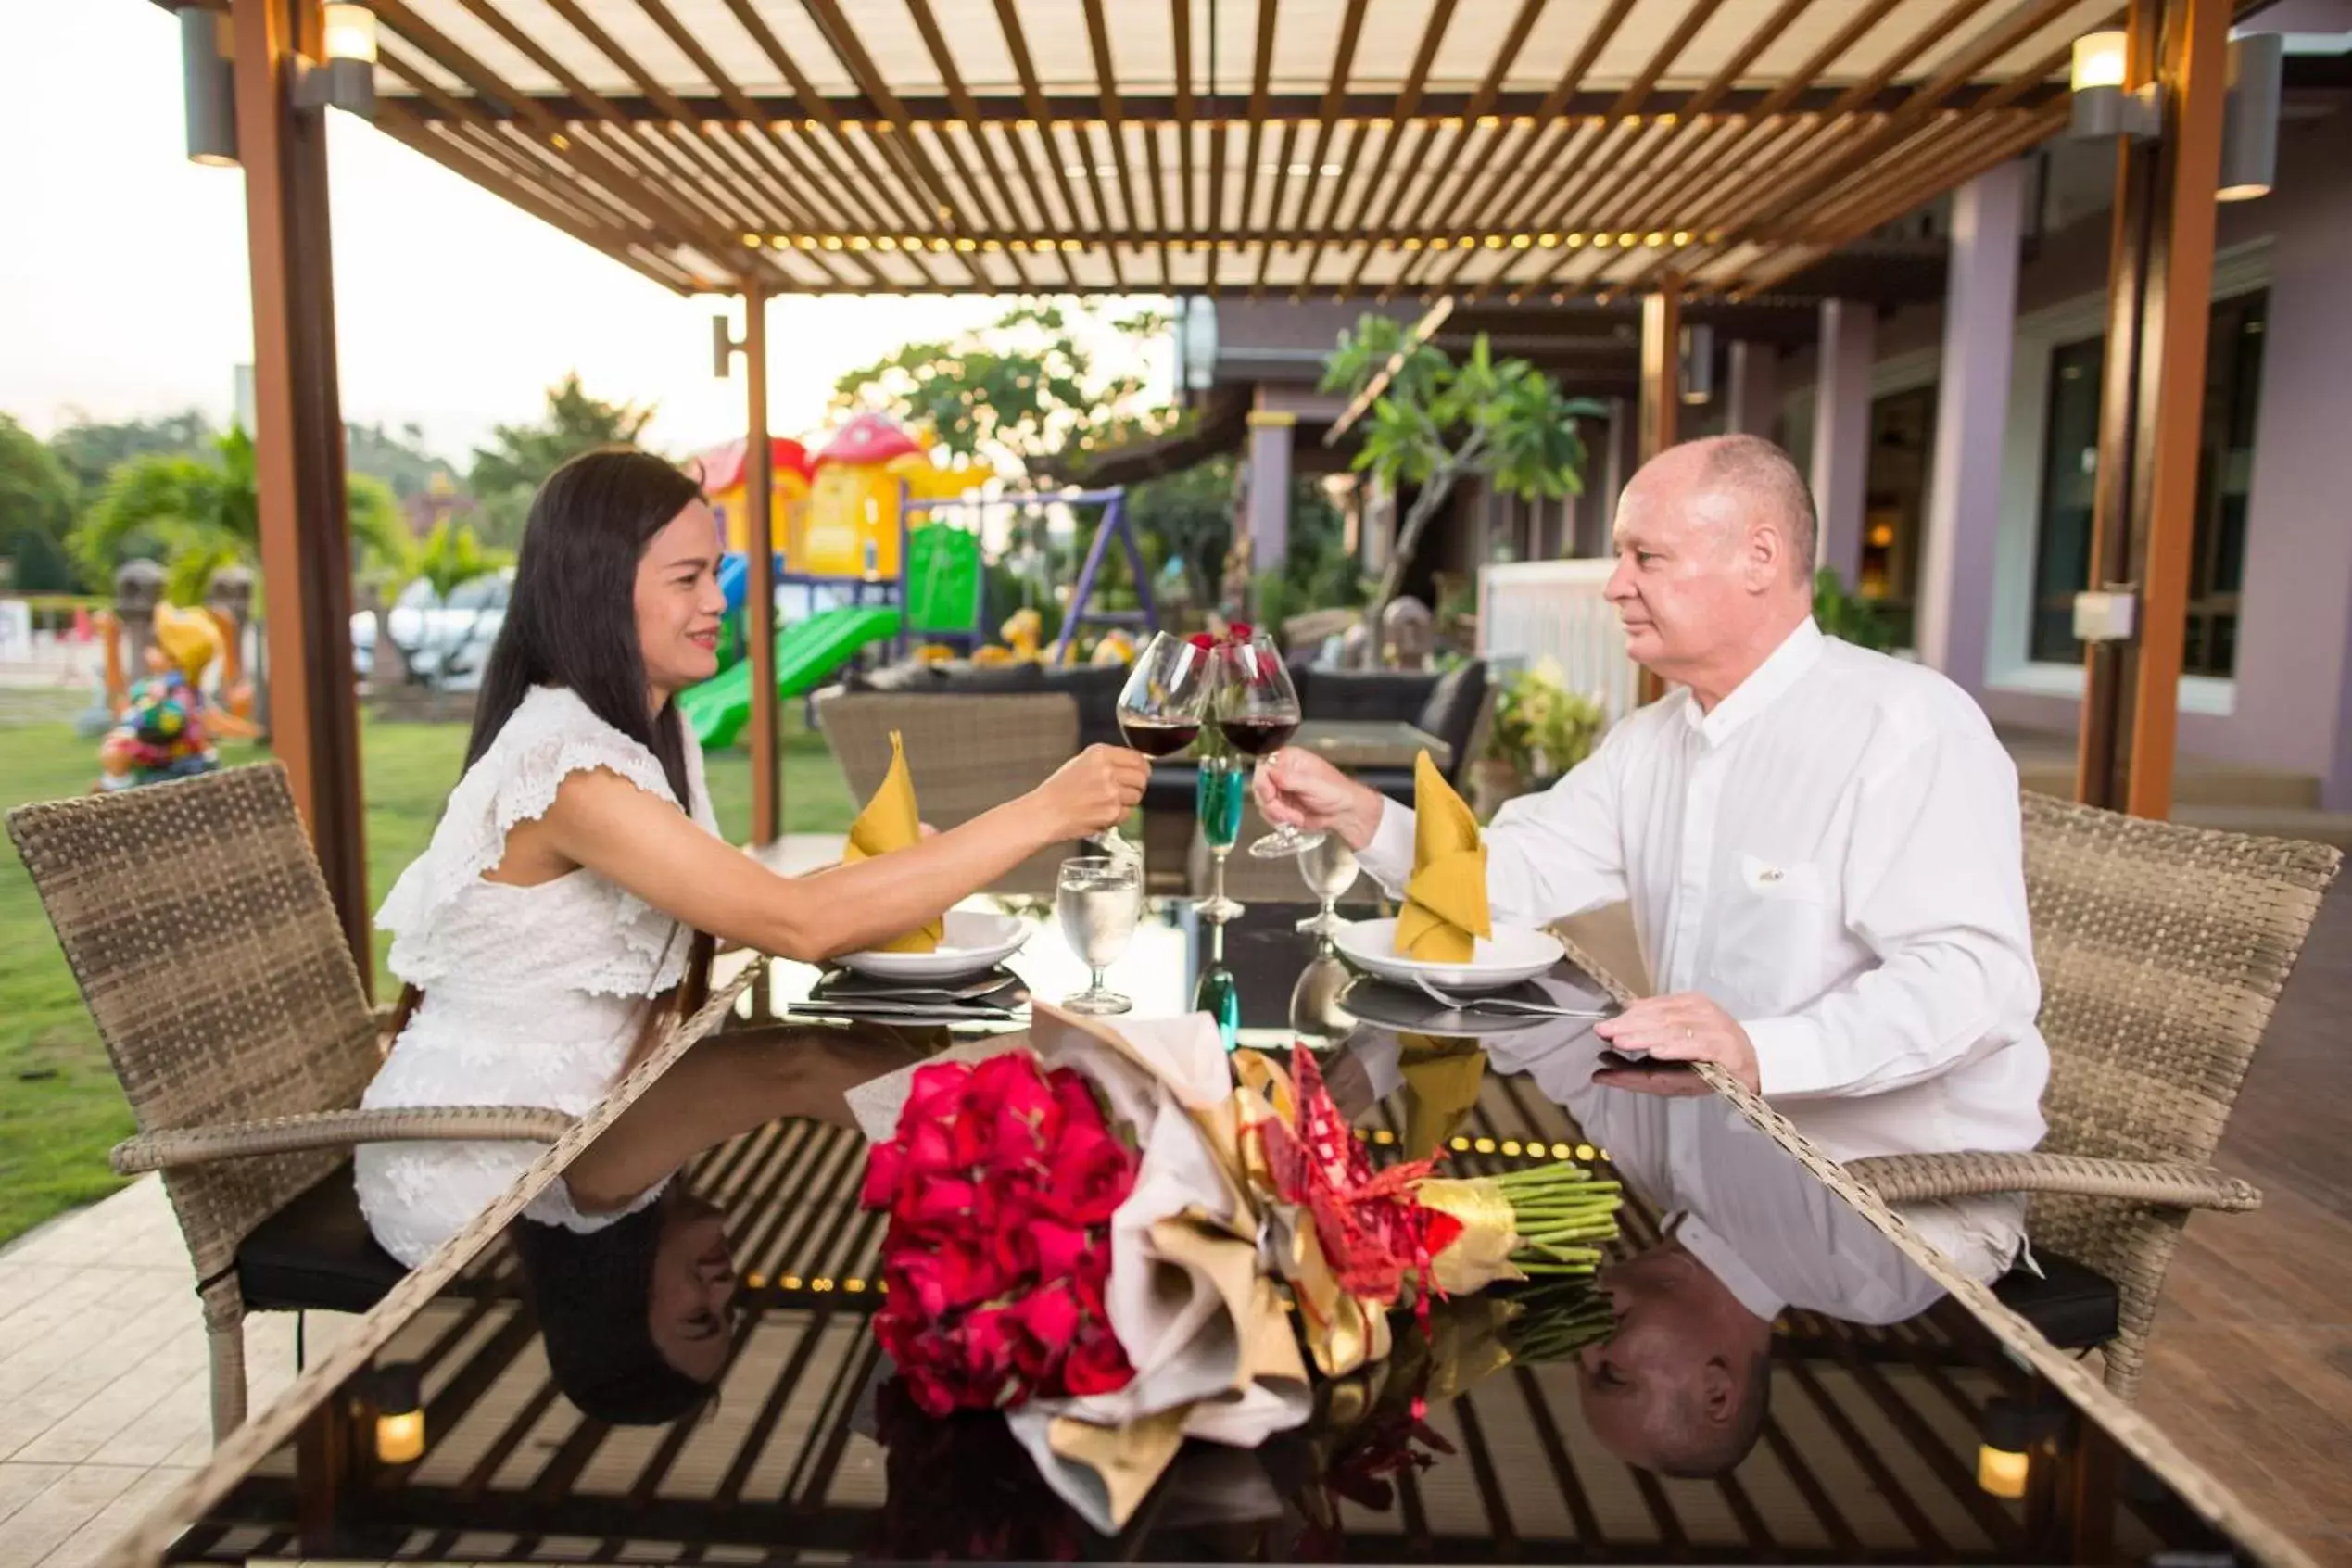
column 1506, row 1004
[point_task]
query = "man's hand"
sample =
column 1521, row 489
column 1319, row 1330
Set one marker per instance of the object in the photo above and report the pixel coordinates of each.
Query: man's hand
column 1683, row 1028
column 1300, row 789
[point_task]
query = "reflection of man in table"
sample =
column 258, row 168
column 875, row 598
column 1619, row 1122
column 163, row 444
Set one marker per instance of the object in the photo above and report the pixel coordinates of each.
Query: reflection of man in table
column 1683, row 1385
column 1820, row 845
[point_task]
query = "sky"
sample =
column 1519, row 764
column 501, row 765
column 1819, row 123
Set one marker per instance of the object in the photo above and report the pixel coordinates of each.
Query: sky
column 123, row 290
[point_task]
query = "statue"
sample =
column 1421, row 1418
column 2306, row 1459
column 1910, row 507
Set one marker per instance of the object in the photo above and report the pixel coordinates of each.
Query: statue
column 168, row 721
column 1407, row 634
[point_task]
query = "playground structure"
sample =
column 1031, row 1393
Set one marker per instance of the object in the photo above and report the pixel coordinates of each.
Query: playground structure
column 165, row 726
column 868, row 532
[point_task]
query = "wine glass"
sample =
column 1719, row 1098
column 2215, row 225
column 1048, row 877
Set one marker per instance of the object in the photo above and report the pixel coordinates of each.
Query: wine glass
column 1160, row 708
column 1258, row 711
column 1216, row 801
column 1099, row 899
column 1329, row 869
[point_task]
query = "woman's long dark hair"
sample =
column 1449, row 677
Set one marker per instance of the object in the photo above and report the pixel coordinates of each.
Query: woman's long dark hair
column 590, row 1291
column 571, row 621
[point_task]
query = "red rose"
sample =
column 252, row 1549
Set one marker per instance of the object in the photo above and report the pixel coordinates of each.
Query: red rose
column 1241, row 631
column 1202, row 640
column 1095, row 1363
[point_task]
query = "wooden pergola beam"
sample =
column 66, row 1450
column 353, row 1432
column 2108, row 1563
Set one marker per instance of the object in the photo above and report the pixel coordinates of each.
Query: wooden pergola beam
column 1343, row 65
column 297, row 453
column 1009, row 20
column 1408, row 103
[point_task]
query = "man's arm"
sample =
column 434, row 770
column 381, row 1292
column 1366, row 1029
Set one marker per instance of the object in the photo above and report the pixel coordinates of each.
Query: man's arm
column 1935, row 887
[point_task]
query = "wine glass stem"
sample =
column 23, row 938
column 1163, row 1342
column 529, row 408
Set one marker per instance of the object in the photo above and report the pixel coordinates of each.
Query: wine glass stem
column 1216, row 874
column 1096, row 984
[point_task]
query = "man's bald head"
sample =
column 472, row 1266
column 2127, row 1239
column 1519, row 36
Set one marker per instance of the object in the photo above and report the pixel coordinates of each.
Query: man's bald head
column 1745, row 480
column 1715, row 544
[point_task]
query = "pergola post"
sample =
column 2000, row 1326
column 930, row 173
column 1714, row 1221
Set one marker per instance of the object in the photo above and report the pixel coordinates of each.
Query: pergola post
column 759, row 591
column 1841, row 456
column 305, row 526
column 2160, row 290
column 1660, row 393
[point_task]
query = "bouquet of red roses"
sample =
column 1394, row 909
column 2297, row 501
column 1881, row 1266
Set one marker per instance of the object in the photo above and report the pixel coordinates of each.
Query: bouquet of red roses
column 1000, row 1189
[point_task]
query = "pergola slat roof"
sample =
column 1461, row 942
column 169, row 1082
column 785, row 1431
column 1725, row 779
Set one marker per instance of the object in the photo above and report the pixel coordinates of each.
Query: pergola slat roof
column 1353, row 148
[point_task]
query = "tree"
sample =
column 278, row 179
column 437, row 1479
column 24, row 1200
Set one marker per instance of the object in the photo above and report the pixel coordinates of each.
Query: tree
column 36, row 509
column 401, row 461
column 509, row 471
column 1437, row 423
column 203, row 516
column 90, row 450
column 1013, row 394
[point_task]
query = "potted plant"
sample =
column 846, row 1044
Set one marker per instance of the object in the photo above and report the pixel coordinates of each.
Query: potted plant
column 1541, row 730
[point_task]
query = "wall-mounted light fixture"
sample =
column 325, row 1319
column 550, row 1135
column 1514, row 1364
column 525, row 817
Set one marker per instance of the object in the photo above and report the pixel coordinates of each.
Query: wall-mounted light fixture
column 345, row 79
column 2102, row 105
column 1696, row 372
column 209, row 83
column 2250, row 116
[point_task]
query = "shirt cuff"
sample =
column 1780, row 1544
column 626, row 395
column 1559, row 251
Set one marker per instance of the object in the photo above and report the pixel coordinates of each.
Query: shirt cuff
column 1792, row 1057
column 1389, row 857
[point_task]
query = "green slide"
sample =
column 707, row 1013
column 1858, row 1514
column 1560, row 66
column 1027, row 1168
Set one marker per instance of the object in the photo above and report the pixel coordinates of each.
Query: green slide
column 807, row 652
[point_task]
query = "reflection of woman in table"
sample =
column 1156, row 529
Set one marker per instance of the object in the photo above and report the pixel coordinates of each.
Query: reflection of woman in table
column 565, row 910
column 636, row 1315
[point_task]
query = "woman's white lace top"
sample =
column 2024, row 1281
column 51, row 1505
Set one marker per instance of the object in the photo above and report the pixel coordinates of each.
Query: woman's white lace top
column 533, row 996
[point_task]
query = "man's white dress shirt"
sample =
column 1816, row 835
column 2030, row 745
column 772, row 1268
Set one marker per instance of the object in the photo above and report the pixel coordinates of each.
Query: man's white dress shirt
column 1833, row 855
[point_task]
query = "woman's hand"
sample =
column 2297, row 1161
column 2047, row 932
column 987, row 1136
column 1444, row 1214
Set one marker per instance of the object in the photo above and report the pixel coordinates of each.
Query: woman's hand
column 1093, row 790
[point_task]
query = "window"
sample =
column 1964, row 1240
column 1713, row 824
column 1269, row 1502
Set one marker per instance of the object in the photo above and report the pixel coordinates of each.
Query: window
column 1902, row 429
column 2225, row 463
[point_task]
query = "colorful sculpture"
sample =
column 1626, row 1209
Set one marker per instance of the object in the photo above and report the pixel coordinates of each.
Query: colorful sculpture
column 167, row 722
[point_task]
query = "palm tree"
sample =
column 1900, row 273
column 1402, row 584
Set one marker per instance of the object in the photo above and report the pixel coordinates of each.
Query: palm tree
column 201, row 516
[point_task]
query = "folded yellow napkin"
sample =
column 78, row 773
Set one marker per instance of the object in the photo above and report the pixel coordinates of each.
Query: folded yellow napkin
column 1446, row 898
column 891, row 822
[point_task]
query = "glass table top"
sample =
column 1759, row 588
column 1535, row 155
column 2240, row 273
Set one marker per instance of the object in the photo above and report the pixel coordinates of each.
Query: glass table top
column 1761, row 1373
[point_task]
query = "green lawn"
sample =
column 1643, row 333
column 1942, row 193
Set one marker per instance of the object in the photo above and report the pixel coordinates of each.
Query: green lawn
column 59, row 1107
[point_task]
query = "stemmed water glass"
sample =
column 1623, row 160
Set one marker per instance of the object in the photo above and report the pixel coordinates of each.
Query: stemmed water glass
column 1258, row 711
column 1098, row 899
column 1329, row 869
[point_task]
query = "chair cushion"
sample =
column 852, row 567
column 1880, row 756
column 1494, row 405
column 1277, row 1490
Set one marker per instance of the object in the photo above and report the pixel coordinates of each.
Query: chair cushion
column 316, row 1254
column 1396, row 695
column 2074, row 1305
column 1096, row 687
column 913, row 678
column 1174, row 788
column 1451, row 711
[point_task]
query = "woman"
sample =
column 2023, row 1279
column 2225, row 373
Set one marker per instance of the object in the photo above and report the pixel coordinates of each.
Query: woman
column 555, row 910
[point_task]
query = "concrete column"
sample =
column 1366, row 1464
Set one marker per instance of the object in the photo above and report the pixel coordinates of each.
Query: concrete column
column 1753, row 406
column 1842, row 432
column 1270, row 434
column 1972, row 412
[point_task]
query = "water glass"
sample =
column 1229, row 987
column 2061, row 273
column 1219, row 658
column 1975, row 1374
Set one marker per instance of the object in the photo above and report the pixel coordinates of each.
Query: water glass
column 1098, row 900
column 1217, row 797
column 1329, row 869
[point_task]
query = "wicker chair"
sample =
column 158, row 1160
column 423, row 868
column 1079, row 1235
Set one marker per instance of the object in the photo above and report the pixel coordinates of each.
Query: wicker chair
column 2162, row 951
column 198, row 926
column 967, row 752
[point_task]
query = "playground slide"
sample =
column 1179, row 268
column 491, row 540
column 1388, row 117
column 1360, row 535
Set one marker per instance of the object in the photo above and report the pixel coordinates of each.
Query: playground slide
column 806, row 652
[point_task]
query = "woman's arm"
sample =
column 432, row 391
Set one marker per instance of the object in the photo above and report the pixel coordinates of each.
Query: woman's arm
column 647, row 846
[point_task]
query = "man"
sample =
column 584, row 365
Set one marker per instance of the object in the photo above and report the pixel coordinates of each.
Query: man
column 1820, row 845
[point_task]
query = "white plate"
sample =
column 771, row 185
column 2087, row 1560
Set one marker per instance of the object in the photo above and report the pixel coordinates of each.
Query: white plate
column 1516, row 953
column 975, row 939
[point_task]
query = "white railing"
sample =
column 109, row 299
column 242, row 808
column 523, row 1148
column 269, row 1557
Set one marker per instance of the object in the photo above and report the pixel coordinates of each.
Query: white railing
column 1529, row 611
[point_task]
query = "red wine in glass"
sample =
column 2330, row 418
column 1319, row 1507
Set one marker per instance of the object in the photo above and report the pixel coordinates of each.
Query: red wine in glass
column 1257, row 737
column 1157, row 737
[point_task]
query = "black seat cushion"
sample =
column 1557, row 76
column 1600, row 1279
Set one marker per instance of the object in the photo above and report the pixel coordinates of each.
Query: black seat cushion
column 2074, row 1305
column 316, row 1254
column 1396, row 695
column 1451, row 711
column 1096, row 688
column 1172, row 788
column 915, row 677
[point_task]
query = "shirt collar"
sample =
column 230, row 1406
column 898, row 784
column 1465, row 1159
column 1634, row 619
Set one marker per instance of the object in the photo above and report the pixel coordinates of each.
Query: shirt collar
column 1798, row 653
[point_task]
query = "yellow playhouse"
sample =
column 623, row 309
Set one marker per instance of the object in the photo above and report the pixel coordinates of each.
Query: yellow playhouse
column 836, row 516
